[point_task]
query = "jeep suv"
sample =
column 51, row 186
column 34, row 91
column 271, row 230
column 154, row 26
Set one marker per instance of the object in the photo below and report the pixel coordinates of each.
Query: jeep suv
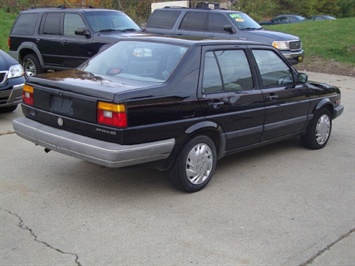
column 221, row 24
column 61, row 38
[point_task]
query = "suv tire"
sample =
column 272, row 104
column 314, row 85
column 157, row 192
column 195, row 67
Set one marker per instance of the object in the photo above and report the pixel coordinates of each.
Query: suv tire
column 31, row 65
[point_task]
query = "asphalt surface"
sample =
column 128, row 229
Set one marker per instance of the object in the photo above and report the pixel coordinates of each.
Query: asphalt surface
column 277, row 205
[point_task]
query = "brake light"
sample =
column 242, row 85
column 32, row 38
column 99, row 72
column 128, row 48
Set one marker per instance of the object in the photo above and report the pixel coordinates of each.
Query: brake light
column 27, row 94
column 111, row 114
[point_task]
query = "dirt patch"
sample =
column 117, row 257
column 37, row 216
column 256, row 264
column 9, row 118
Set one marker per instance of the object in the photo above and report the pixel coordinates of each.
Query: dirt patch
column 321, row 65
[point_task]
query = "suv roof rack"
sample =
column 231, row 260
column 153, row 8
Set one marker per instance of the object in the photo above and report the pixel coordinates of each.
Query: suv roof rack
column 62, row 6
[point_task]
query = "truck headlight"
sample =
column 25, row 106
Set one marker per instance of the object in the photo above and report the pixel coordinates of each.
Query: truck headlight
column 281, row 45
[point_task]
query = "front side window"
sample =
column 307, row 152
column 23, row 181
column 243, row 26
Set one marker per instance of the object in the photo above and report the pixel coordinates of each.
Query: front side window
column 72, row 22
column 274, row 72
column 194, row 21
column 217, row 23
column 226, row 70
column 110, row 21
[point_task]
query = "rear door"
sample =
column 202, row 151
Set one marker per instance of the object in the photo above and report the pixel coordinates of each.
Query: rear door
column 49, row 38
column 286, row 100
column 229, row 97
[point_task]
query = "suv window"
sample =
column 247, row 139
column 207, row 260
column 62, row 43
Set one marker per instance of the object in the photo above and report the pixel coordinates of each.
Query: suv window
column 274, row 72
column 106, row 20
column 194, row 21
column 226, row 70
column 217, row 23
column 163, row 20
column 51, row 22
column 25, row 24
column 71, row 23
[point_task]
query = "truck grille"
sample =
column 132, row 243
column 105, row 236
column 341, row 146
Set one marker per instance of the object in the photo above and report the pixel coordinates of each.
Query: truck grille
column 3, row 75
column 295, row 45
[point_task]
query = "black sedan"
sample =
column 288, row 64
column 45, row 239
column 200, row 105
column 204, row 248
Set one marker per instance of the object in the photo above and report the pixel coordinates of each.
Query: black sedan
column 176, row 105
column 11, row 82
column 283, row 19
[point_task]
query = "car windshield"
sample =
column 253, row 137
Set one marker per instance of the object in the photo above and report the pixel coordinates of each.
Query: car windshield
column 101, row 21
column 243, row 21
column 137, row 61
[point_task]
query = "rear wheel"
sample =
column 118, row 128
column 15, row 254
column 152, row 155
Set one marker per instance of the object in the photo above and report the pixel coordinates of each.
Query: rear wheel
column 31, row 65
column 8, row 109
column 195, row 165
column 319, row 132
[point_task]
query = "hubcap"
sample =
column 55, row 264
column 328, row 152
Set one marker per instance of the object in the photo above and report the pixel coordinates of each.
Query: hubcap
column 30, row 68
column 199, row 163
column 323, row 129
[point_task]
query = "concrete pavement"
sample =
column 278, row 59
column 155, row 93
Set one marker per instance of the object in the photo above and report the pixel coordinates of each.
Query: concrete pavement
column 278, row 205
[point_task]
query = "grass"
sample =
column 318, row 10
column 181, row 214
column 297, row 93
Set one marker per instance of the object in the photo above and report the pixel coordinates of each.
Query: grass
column 325, row 39
column 6, row 21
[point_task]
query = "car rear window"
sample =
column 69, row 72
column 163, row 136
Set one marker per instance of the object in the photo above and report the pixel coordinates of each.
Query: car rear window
column 25, row 24
column 137, row 61
column 162, row 19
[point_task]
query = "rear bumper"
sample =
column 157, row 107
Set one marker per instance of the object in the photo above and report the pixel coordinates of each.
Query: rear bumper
column 89, row 149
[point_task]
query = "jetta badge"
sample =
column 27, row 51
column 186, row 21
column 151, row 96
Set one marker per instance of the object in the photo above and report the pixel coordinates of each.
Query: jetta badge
column 60, row 121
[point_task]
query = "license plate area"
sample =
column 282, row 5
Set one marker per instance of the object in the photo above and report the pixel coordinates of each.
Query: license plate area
column 62, row 105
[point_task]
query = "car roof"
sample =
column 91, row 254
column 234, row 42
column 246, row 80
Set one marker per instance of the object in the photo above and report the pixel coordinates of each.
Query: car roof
column 67, row 9
column 190, row 40
column 173, row 8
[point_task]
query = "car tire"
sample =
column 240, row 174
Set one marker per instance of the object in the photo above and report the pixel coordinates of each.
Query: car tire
column 319, row 131
column 8, row 109
column 194, row 165
column 31, row 65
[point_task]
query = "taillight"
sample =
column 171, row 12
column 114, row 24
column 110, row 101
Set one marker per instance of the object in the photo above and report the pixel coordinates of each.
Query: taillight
column 111, row 114
column 27, row 94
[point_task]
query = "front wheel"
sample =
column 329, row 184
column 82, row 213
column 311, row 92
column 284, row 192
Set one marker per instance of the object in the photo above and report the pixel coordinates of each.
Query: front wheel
column 319, row 131
column 195, row 165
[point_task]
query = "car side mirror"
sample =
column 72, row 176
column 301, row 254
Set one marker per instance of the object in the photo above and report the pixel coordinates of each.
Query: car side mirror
column 302, row 77
column 83, row 32
column 228, row 28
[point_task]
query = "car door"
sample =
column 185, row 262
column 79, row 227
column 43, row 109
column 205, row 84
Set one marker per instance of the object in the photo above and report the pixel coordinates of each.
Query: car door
column 48, row 41
column 76, row 48
column 286, row 100
column 215, row 27
column 228, row 95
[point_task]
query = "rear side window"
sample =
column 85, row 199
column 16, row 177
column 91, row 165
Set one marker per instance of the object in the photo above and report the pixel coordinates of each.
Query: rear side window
column 161, row 19
column 226, row 70
column 25, row 24
column 194, row 21
column 51, row 23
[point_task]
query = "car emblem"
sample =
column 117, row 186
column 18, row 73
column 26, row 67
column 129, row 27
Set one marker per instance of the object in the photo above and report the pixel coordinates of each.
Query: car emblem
column 60, row 121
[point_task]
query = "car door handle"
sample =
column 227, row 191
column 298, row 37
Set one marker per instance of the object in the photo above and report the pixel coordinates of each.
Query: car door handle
column 64, row 41
column 272, row 97
column 215, row 105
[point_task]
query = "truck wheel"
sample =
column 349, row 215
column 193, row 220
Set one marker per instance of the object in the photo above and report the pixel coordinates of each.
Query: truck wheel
column 195, row 165
column 319, row 131
column 31, row 65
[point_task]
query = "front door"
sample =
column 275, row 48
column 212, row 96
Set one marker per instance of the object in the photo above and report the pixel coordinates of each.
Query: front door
column 286, row 100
